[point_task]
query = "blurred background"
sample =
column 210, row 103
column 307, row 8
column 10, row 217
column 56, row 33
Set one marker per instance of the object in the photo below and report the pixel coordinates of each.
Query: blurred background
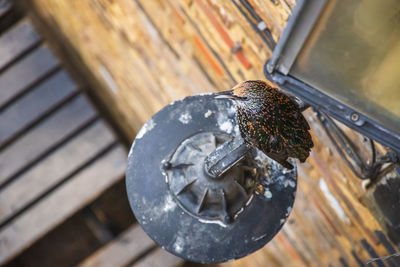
column 77, row 81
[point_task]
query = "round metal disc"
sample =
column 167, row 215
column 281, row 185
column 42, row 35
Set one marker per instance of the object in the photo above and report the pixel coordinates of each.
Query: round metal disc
column 159, row 213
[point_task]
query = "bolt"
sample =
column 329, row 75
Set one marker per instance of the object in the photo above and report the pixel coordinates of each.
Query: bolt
column 354, row 117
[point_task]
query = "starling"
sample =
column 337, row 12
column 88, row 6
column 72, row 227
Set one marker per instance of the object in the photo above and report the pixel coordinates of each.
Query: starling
column 270, row 121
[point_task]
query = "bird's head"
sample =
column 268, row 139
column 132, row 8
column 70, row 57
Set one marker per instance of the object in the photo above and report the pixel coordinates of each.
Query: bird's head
column 246, row 91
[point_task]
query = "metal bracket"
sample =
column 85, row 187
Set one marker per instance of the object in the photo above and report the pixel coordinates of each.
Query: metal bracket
column 370, row 169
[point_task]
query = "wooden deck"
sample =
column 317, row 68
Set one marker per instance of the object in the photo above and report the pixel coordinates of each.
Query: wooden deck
column 115, row 253
column 59, row 158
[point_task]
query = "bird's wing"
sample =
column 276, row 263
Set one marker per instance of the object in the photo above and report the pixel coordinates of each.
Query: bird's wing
column 293, row 129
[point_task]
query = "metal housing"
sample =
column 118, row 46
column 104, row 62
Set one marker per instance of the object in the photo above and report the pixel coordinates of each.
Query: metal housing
column 277, row 69
column 168, row 154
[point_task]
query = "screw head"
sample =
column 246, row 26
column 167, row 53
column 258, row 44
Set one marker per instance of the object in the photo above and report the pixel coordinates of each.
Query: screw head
column 354, row 117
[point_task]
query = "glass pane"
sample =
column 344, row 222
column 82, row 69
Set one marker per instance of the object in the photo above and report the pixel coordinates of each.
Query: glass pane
column 353, row 55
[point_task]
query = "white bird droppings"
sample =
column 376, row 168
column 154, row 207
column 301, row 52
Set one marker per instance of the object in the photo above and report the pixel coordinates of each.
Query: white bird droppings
column 178, row 245
column 226, row 127
column 148, row 126
column 169, row 204
column 207, row 114
column 185, row 118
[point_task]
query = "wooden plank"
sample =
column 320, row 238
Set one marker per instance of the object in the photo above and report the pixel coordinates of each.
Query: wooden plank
column 65, row 245
column 62, row 203
column 159, row 90
column 123, row 250
column 5, row 6
column 158, row 258
column 53, row 169
column 44, row 136
column 34, row 104
column 25, row 72
column 16, row 41
column 113, row 208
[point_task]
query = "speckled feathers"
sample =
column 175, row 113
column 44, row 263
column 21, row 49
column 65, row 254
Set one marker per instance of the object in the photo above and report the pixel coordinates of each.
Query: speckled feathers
column 272, row 122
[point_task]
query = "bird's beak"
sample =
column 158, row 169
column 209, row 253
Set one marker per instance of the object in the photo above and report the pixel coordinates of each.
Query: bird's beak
column 225, row 95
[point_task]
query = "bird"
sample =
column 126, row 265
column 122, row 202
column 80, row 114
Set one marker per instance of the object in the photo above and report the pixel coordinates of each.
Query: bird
column 270, row 121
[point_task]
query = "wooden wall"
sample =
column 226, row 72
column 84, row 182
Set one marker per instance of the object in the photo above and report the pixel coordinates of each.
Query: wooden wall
column 140, row 55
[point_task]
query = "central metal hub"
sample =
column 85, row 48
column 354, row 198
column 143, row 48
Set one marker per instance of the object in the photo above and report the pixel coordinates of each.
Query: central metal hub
column 201, row 195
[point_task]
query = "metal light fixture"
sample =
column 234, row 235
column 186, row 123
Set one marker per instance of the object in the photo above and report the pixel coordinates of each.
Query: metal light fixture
column 342, row 57
column 198, row 190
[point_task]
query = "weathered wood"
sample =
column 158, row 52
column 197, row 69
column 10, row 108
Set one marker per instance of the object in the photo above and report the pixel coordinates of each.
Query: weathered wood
column 142, row 54
column 53, row 169
column 16, row 41
column 64, row 201
column 159, row 257
column 25, row 73
column 35, row 104
column 123, row 250
column 146, row 92
column 65, row 245
column 49, row 137
column 44, row 136
column 113, row 209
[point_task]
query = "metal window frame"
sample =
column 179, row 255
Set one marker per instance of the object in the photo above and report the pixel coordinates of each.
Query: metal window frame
column 277, row 69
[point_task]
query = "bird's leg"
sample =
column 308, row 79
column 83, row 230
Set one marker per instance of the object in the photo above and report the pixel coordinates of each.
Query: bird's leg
column 225, row 157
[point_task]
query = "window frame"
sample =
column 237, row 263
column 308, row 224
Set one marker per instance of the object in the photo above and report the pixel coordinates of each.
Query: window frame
column 277, row 69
